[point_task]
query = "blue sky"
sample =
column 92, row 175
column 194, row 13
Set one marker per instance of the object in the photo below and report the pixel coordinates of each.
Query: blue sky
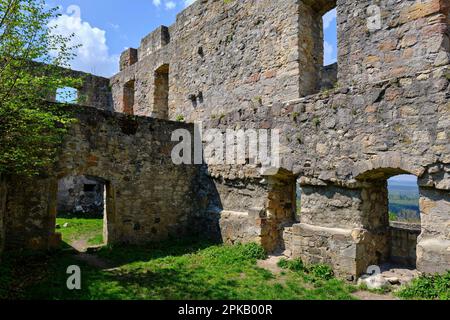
column 105, row 28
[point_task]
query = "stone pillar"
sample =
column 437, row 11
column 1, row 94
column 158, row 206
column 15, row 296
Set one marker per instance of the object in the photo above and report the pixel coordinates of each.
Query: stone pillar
column 128, row 58
column 31, row 213
column 346, row 228
column 433, row 247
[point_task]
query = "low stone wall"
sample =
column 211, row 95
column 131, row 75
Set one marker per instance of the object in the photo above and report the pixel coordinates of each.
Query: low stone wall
column 404, row 242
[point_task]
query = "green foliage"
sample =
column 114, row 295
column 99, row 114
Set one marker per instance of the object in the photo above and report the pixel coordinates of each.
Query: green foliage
column 321, row 271
column 428, row 287
column 293, row 265
column 179, row 118
column 30, row 52
column 392, row 216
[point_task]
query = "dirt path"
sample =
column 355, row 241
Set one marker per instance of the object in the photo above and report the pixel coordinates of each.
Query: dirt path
column 271, row 264
column 94, row 261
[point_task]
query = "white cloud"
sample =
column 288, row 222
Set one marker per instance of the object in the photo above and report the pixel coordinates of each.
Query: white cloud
column 170, row 5
column 188, row 2
column 93, row 56
column 328, row 18
column 329, row 54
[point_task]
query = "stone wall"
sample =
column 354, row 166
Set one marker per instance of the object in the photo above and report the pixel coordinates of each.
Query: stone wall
column 148, row 198
column 227, row 55
column 404, row 242
column 344, row 144
column 412, row 37
column 80, row 195
column 94, row 91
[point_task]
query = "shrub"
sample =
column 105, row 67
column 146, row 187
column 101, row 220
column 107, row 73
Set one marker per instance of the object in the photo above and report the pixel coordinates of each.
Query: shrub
column 321, row 271
column 293, row 265
column 428, row 287
column 254, row 251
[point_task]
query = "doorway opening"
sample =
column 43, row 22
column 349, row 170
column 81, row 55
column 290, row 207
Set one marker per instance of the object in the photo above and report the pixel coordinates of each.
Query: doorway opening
column 81, row 211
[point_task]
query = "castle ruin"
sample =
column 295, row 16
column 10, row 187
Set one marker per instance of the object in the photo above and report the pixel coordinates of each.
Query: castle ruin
column 382, row 110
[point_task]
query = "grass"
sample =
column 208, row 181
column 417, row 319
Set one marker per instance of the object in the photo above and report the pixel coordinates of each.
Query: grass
column 180, row 270
column 79, row 229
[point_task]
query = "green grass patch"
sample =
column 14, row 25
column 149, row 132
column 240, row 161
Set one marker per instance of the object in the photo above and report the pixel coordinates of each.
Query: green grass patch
column 427, row 287
column 180, row 270
column 89, row 230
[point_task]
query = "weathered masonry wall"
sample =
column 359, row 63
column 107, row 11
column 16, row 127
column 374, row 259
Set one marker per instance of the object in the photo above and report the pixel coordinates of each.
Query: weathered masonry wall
column 223, row 56
column 80, row 195
column 344, row 144
column 94, row 91
column 408, row 37
column 148, row 198
column 404, row 242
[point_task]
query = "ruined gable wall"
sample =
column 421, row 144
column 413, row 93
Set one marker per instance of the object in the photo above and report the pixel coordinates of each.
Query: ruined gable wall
column 148, row 197
column 234, row 54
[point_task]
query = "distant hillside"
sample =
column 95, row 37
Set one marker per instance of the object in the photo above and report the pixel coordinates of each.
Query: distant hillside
column 404, row 200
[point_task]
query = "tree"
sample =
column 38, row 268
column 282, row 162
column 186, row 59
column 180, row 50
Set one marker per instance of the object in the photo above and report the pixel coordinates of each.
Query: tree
column 31, row 59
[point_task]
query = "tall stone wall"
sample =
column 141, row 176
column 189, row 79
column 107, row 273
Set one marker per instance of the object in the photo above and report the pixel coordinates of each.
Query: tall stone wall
column 148, row 198
column 344, row 144
column 225, row 55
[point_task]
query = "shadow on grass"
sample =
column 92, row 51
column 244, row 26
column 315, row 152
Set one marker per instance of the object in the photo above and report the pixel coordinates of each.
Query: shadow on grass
column 42, row 275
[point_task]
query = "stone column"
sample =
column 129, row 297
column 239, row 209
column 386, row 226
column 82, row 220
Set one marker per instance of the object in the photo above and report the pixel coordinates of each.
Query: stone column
column 433, row 247
column 346, row 228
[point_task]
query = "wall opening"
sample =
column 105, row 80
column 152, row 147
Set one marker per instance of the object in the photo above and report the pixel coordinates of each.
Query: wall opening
column 330, row 40
column 317, row 34
column 128, row 97
column 81, row 211
column 329, row 69
column 404, row 218
column 391, row 214
column 161, row 93
column 67, row 95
